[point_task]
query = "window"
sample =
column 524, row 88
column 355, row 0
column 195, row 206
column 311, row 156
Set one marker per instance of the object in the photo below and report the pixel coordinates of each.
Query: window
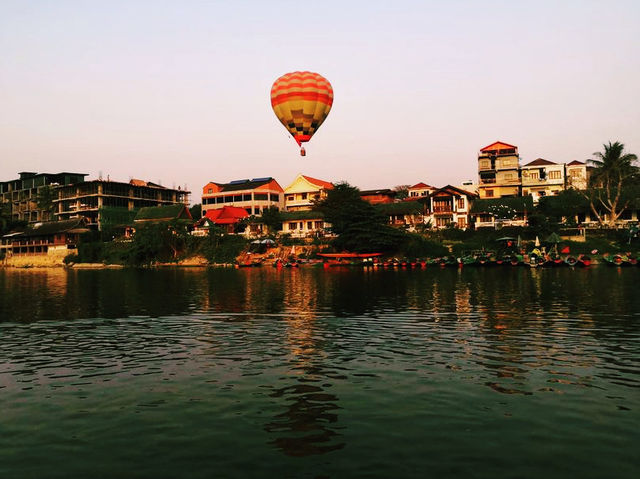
column 460, row 203
column 303, row 196
column 488, row 193
column 274, row 197
column 534, row 175
column 318, row 225
column 210, row 190
column 290, row 197
column 554, row 175
column 246, row 197
column 228, row 199
column 219, row 199
column 462, row 223
column 309, row 225
column 293, row 226
column 542, row 193
column 248, row 210
column 237, row 197
column 485, row 164
column 261, row 196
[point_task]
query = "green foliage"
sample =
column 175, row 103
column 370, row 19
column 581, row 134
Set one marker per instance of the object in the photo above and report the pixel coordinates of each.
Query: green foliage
column 196, row 211
column 113, row 220
column 564, row 204
column 358, row 225
column 155, row 242
column 218, row 247
column 417, row 246
column 44, row 201
column 70, row 258
column 272, row 219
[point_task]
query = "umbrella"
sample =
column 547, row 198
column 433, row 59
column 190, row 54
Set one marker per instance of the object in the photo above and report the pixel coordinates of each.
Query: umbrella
column 519, row 241
column 506, row 238
column 267, row 241
column 537, row 243
column 256, row 242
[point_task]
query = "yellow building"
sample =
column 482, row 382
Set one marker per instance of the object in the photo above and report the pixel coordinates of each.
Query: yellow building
column 300, row 195
column 499, row 171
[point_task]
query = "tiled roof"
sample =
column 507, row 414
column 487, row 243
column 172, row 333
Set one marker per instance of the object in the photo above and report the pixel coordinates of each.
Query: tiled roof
column 576, row 163
column 163, row 213
column 226, row 215
column 239, row 185
column 539, row 162
column 495, row 144
column 420, row 185
column 53, row 227
column 321, row 183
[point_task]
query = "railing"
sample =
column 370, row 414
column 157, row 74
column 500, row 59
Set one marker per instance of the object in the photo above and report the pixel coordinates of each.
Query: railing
column 443, row 209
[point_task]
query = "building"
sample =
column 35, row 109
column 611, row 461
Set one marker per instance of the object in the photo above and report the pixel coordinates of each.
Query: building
column 499, row 171
column 542, row 178
column 405, row 214
column 303, row 191
column 304, row 224
column 420, row 190
column 226, row 218
column 498, row 212
column 22, row 194
column 92, row 200
column 577, row 175
column 450, row 206
column 254, row 195
column 55, row 238
column 376, row 197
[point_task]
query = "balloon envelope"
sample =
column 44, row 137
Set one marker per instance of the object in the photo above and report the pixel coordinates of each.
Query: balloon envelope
column 301, row 101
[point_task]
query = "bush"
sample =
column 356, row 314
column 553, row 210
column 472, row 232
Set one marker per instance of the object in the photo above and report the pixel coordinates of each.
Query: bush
column 70, row 258
column 417, row 246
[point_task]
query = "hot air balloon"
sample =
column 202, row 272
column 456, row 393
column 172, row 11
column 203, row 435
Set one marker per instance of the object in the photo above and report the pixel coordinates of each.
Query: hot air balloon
column 301, row 101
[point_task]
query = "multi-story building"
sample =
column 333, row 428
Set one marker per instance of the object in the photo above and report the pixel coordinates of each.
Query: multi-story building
column 90, row 199
column 499, row 171
column 254, row 195
column 303, row 191
column 22, row 194
column 577, row 175
column 542, row 178
column 419, row 190
column 450, row 206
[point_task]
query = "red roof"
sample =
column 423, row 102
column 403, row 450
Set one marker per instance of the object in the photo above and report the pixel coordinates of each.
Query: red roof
column 320, row 183
column 540, row 161
column 226, row 215
column 497, row 145
column 420, row 185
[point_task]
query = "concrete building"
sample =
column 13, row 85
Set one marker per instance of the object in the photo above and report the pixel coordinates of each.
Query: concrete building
column 254, row 195
column 499, row 171
column 303, row 191
column 450, row 206
column 91, row 199
column 420, row 190
column 22, row 194
column 542, row 178
column 577, row 175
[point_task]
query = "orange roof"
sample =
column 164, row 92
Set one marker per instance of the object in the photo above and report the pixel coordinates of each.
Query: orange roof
column 420, row 185
column 321, row 183
column 498, row 145
column 135, row 182
column 226, row 215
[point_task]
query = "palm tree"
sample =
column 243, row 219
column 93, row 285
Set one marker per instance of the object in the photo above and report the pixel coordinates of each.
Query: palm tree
column 613, row 171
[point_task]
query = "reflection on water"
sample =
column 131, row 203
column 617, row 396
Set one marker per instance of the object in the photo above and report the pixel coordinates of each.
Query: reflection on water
column 311, row 372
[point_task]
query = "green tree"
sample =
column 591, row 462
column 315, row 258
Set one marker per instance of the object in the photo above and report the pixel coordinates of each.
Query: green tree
column 44, row 201
column 610, row 188
column 196, row 211
column 272, row 219
column 358, row 225
column 402, row 192
column 5, row 216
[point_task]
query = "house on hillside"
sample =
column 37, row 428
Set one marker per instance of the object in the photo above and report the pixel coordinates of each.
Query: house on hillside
column 542, row 178
column 420, row 190
column 450, row 206
column 45, row 238
column 577, row 175
column 254, row 195
column 163, row 214
column 304, row 224
column 303, row 191
column 406, row 214
column 497, row 212
column 226, row 218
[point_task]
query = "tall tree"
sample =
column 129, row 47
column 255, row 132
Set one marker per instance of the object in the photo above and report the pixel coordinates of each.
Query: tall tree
column 196, row 211
column 611, row 181
column 45, row 203
column 358, row 225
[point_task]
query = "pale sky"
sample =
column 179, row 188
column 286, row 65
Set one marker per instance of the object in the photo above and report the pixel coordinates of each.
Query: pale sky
column 178, row 91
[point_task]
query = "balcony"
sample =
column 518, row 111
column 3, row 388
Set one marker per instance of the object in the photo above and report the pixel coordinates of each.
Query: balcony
column 446, row 209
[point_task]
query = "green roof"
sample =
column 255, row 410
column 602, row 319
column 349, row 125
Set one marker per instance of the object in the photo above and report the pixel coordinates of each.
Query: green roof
column 301, row 215
column 401, row 208
column 163, row 213
column 489, row 205
column 48, row 228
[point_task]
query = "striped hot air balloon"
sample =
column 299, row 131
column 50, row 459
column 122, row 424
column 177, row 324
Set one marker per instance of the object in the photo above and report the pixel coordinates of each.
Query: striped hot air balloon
column 301, row 101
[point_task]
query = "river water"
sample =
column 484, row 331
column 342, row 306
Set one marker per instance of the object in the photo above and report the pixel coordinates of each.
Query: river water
column 496, row 372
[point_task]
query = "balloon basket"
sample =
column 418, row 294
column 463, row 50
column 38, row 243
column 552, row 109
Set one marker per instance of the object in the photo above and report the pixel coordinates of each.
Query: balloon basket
column 303, row 152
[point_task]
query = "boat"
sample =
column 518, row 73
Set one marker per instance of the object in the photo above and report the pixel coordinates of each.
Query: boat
column 571, row 260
